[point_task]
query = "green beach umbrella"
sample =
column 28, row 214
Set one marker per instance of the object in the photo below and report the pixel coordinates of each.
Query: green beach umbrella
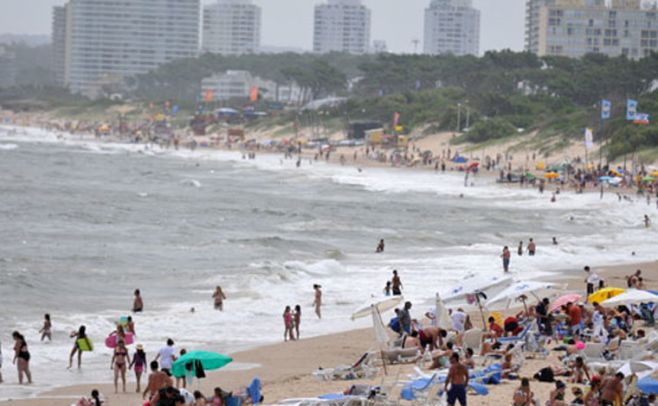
column 648, row 179
column 530, row 176
column 209, row 360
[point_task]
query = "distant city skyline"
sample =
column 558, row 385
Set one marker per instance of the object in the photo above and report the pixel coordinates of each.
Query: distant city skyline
column 502, row 22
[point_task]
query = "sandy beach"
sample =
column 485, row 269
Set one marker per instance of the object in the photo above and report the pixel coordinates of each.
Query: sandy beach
column 285, row 368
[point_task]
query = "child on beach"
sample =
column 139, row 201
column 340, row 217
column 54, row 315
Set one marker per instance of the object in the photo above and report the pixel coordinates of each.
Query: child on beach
column 79, row 335
column 139, row 362
column 131, row 326
column 387, row 289
column 45, row 330
column 298, row 319
column 288, row 324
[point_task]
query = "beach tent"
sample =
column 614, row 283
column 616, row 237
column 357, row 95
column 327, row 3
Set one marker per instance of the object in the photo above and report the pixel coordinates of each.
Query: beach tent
column 604, row 294
column 520, row 290
column 459, row 160
column 630, row 297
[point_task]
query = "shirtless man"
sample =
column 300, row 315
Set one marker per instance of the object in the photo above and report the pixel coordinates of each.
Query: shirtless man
column 532, row 247
column 157, row 381
column 397, row 284
column 430, row 336
column 458, row 379
column 138, row 303
column 612, row 389
column 317, row 302
column 506, row 257
column 380, row 247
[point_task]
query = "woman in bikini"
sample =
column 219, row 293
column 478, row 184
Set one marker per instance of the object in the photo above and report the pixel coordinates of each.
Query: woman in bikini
column 139, row 362
column 288, row 324
column 297, row 319
column 120, row 361
column 21, row 357
column 219, row 297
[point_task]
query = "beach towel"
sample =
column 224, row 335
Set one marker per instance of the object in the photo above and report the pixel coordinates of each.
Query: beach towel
column 253, row 390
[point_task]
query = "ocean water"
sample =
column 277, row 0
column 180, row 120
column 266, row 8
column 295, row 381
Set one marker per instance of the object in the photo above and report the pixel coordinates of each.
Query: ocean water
column 84, row 224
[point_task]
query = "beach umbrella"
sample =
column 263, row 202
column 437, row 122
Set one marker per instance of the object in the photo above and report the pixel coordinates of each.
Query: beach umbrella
column 631, row 296
column 442, row 317
column 605, row 178
column 648, row 386
column 648, row 179
column 562, row 300
column 530, row 176
column 640, row 368
column 520, row 290
column 604, row 294
column 654, row 174
column 210, row 361
column 473, row 284
column 551, row 175
column 381, row 305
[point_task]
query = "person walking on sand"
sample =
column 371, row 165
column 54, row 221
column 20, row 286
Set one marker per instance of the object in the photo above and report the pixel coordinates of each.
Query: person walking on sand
column 219, row 297
column 506, row 257
column 119, row 363
column 396, row 284
column 139, row 363
column 167, row 356
column 317, row 302
column 138, row 303
column 297, row 319
column 288, row 325
column 81, row 334
column 45, row 330
column 520, row 249
column 21, row 357
column 380, row 247
column 593, row 281
column 457, row 380
column 532, row 247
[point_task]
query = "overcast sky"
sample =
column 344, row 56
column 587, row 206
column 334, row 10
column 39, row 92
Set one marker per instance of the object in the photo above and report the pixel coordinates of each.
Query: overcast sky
column 289, row 23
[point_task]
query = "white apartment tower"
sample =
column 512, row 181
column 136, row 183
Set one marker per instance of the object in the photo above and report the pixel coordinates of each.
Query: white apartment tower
column 342, row 26
column 231, row 27
column 452, row 27
column 574, row 28
column 106, row 41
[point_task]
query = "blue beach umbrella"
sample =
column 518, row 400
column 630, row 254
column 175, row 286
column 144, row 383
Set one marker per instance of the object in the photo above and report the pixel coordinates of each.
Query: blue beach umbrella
column 648, row 386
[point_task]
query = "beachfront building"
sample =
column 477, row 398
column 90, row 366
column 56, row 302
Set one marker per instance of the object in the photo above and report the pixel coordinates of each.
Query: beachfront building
column 59, row 44
column 341, row 26
column 103, row 40
column 574, row 28
column 238, row 84
column 452, row 27
column 7, row 67
column 231, row 27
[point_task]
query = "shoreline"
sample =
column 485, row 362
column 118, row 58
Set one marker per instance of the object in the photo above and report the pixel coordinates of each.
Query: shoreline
column 281, row 378
column 285, row 368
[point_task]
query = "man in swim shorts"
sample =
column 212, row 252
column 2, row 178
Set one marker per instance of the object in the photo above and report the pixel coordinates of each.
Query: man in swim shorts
column 458, row 381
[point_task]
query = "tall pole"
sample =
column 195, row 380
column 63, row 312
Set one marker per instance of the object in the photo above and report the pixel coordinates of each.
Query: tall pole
column 459, row 116
column 468, row 117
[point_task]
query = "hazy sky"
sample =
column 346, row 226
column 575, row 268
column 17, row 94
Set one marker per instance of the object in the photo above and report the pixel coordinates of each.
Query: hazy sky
column 289, row 23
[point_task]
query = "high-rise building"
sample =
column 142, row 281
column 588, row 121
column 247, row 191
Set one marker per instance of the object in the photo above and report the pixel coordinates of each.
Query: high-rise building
column 575, row 28
column 106, row 41
column 7, row 67
column 452, row 27
column 342, row 26
column 59, row 43
column 231, row 27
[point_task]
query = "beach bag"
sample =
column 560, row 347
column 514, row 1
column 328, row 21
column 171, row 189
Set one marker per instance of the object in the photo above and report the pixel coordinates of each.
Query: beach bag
column 545, row 375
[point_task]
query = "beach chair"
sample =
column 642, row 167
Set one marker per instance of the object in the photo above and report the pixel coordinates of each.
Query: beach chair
column 401, row 355
column 424, row 391
column 363, row 368
column 593, row 352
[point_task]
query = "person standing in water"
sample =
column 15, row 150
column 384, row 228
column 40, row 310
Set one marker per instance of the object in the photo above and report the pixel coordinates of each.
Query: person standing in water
column 45, row 330
column 380, row 247
column 119, row 363
column 647, row 221
column 532, row 247
column 21, row 357
column 81, row 334
column 387, row 289
column 219, row 297
column 506, row 257
column 397, row 284
column 317, row 302
column 297, row 316
column 138, row 303
column 520, row 249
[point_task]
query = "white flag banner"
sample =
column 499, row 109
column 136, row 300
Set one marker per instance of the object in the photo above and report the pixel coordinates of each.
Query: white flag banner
column 589, row 139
